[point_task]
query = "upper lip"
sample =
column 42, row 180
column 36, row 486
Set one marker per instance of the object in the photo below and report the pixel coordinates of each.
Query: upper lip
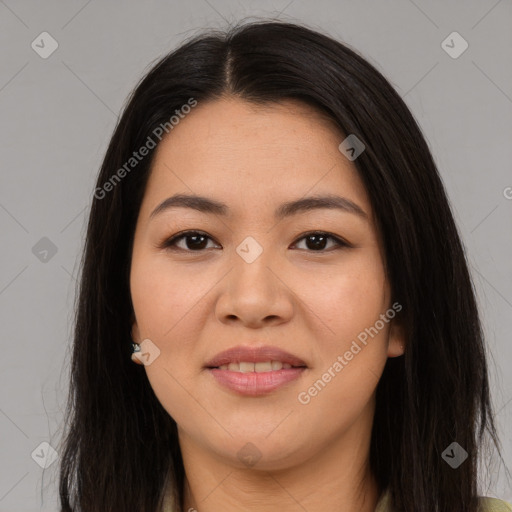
column 247, row 354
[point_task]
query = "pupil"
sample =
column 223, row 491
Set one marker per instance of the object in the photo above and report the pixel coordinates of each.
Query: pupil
column 195, row 244
column 316, row 245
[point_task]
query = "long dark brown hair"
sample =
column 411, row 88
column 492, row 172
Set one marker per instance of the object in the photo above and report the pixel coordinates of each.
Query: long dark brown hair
column 121, row 446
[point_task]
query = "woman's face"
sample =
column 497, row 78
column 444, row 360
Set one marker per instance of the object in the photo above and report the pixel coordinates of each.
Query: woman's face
column 257, row 278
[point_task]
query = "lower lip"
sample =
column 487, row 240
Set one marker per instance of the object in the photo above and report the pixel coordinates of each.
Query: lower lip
column 254, row 383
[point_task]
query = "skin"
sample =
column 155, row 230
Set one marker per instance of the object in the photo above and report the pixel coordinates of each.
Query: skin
column 193, row 304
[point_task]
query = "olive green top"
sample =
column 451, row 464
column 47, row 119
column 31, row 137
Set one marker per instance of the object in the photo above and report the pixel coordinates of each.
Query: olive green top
column 383, row 505
column 486, row 504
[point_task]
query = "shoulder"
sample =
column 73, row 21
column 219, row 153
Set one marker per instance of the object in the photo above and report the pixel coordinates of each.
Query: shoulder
column 493, row 505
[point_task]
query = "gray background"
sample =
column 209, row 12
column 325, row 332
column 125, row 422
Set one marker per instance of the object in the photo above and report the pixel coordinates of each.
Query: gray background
column 57, row 115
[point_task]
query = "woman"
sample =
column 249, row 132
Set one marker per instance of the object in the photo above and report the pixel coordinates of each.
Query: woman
column 271, row 233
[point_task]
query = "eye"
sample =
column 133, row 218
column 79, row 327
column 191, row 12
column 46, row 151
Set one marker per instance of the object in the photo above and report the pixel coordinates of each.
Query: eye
column 196, row 241
column 317, row 240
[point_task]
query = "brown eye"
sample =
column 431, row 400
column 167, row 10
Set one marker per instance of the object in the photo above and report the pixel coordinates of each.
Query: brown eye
column 193, row 241
column 197, row 241
column 318, row 240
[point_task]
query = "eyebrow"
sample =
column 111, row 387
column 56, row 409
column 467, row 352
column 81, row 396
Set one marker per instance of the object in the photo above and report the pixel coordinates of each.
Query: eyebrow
column 287, row 209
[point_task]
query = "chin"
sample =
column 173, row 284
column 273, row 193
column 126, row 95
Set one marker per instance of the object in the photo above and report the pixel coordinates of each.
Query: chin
column 259, row 452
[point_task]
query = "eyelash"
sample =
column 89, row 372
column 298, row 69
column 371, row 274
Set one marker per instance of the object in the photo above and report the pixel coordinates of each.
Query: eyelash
column 170, row 243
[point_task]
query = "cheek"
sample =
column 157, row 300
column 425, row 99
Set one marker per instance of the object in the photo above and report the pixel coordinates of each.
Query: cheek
column 166, row 303
column 349, row 299
column 351, row 354
column 165, row 297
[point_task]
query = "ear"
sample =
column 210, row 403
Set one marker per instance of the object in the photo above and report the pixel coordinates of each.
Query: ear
column 135, row 332
column 396, row 339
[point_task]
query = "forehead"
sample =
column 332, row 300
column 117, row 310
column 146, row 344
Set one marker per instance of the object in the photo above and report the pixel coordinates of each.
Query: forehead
column 251, row 155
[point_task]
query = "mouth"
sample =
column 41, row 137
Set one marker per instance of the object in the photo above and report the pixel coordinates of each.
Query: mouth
column 248, row 359
column 255, row 371
column 260, row 367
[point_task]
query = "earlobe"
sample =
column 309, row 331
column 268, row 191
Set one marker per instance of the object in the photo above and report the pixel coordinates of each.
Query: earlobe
column 135, row 344
column 396, row 340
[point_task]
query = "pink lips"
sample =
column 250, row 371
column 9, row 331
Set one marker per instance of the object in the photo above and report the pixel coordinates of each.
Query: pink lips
column 255, row 383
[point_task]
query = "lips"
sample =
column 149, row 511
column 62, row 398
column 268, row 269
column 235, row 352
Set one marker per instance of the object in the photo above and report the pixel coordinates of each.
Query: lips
column 255, row 371
column 244, row 354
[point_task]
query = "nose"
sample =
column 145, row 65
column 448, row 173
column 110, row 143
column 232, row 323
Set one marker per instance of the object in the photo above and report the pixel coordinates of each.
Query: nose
column 255, row 294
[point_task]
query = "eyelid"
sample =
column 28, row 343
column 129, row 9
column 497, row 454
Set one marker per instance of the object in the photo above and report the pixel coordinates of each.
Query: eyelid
column 166, row 243
column 169, row 243
column 340, row 242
